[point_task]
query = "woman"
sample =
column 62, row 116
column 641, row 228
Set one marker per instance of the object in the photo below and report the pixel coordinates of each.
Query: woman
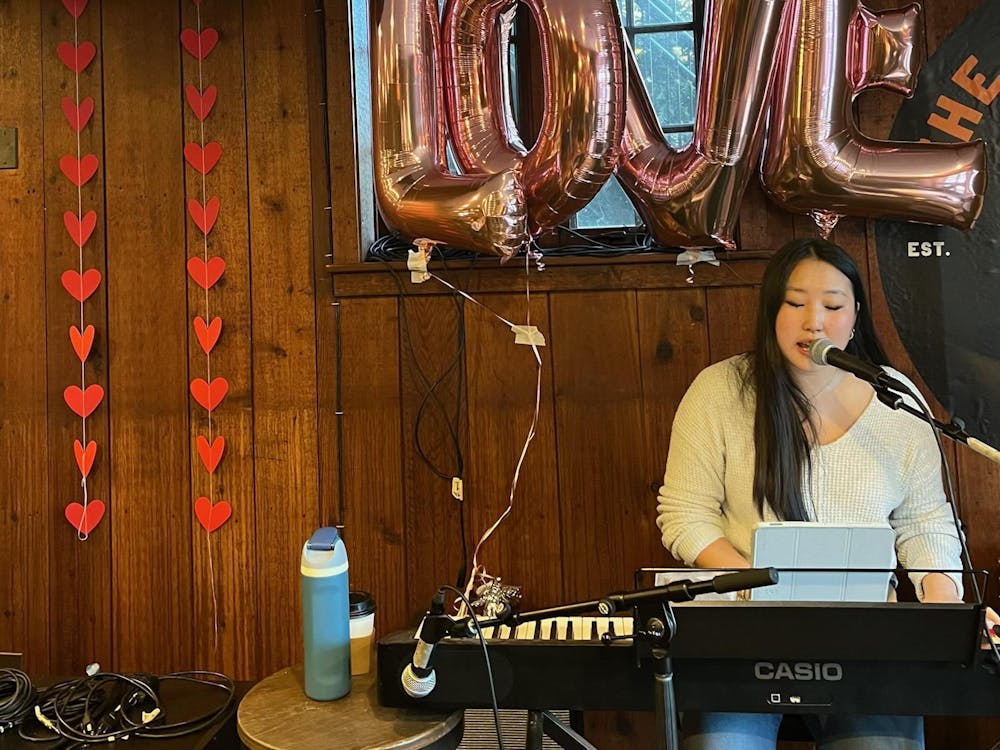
column 770, row 435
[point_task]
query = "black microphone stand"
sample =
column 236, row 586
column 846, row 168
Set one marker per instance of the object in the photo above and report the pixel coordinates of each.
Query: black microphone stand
column 654, row 628
column 890, row 396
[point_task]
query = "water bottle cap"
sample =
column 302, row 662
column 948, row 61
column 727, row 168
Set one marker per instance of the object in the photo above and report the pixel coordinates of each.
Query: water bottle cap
column 324, row 554
column 325, row 538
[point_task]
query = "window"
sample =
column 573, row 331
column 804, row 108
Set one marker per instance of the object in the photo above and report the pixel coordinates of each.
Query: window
column 664, row 35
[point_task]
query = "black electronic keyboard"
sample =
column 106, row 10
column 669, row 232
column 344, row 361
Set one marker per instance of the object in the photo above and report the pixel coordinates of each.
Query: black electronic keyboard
column 916, row 659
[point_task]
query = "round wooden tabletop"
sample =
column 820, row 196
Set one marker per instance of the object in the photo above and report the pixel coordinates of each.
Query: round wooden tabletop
column 277, row 715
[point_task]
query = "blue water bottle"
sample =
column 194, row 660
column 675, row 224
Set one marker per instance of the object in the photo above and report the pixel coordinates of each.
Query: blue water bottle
column 326, row 624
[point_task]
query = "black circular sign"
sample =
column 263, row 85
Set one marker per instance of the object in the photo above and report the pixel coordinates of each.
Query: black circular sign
column 943, row 284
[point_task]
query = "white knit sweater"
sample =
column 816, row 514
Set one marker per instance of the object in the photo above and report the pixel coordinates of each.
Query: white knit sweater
column 886, row 467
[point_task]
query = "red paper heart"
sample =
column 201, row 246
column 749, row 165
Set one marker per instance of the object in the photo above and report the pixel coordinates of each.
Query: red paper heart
column 78, row 171
column 86, row 519
column 209, row 395
column 211, row 453
column 207, row 333
column 75, row 7
column 76, row 57
column 85, row 456
column 206, row 274
column 81, row 287
column 82, row 341
column 204, row 216
column 80, row 231
column 83, row 402
column 203, row 159
column 201, row 103
column 199, row 45
column 211, row 516
column 78, row 116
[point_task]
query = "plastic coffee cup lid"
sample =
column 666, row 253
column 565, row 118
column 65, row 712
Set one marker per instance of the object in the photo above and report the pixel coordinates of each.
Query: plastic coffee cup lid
column 361, row 603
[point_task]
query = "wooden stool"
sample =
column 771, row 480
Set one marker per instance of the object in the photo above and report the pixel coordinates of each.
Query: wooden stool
column 277, row 715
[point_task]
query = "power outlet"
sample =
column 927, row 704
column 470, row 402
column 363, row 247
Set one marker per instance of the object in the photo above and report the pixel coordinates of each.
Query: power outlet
column 8, row 148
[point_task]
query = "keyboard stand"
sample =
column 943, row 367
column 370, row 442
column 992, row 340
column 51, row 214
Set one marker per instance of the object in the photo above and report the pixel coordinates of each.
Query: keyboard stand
column 541, row 723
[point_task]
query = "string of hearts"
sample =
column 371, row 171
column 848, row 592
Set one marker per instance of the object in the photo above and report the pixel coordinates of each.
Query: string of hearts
column 80, row 283
column 205, row 271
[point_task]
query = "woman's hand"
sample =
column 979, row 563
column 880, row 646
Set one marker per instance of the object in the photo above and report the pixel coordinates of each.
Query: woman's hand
column 992, row 621
column 939, row 588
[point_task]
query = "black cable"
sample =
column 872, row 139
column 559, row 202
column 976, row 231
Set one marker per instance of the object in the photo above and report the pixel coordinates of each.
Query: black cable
column 108, row 707
column 486, row 657
column 610, row 244
column 17, row 696
column 432, row 397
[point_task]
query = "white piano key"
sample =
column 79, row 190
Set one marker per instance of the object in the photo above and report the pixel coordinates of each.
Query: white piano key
column 525, row 631
column 603, row 625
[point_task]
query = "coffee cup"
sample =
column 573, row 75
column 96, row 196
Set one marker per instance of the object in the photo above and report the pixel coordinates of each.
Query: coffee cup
column 362, row 609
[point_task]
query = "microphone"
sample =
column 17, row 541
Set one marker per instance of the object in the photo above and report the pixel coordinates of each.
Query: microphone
column 418, row 677
column 823, row 352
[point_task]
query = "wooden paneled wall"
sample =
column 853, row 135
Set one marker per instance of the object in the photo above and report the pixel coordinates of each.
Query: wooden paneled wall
column 330, row 374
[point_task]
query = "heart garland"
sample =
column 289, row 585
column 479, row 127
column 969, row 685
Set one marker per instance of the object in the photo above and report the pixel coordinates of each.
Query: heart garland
column 205, row 270
column 80, row 283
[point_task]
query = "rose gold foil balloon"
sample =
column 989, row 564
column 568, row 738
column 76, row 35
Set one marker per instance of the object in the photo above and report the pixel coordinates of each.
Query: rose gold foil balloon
column 417, row 197
column 818, row 163
column 691, row 198
column 583, row 81
column 475, row 54
column 884, row 49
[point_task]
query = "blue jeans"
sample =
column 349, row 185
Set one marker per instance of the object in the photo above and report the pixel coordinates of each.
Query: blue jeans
column 725, row 731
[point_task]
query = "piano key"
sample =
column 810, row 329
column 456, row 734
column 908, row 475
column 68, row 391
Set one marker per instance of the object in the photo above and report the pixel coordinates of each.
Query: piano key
column 601, row 626
column 562, row 628
column 489, row 631
column 503, row 633
column 525, row 631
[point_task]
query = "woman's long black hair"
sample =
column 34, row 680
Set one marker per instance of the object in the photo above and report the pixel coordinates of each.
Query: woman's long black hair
column 781, row 409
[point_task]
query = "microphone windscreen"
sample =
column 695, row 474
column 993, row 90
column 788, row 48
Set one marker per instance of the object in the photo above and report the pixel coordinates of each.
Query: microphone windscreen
column 818, row 350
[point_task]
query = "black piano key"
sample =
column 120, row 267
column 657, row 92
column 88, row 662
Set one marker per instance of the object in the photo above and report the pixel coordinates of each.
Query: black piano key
column 553, row 631
column 594, row 635
column 538, row 630
column 569, row 630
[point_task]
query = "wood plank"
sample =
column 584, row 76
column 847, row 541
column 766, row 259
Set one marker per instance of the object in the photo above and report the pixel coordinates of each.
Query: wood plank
column 150, row 462
column 328, row 395
column 82, row 585
column 148, row 394
column 27, row 518
column 763, row 226
column 732, row 315
column 603, row 487
column 222, row 563
column 434, row 442
column 372, row 459
column 282, row 320
column 525, row 550
column 673, row 346
column 564, row 275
